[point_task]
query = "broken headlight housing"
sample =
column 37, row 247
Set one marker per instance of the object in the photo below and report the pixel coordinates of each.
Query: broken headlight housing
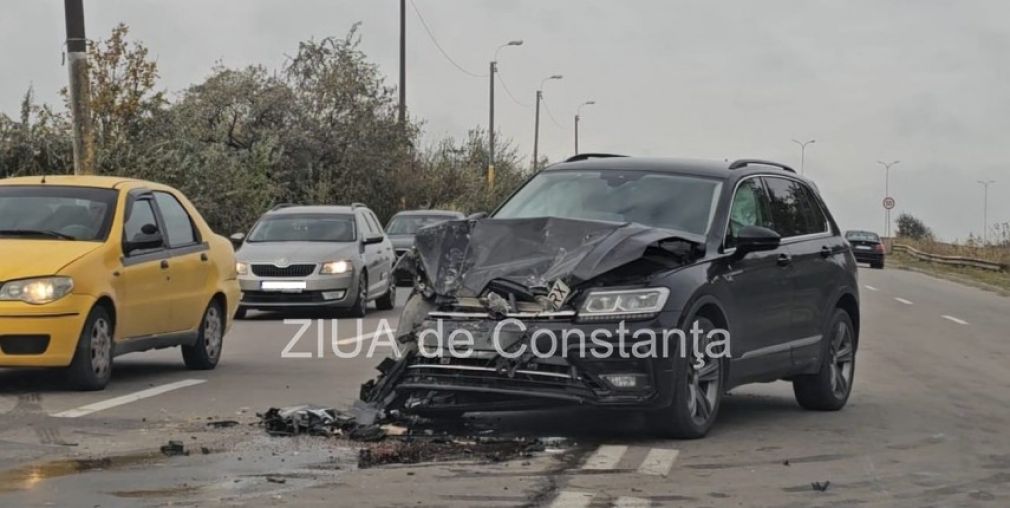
column 37, row 291
column 623, row 304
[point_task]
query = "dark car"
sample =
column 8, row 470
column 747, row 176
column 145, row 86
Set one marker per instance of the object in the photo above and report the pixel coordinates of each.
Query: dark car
column 404, row 225
column 598, row 244
column 866, row 247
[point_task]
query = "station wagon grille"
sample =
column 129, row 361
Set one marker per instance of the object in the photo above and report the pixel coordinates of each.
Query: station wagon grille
column 303, row 270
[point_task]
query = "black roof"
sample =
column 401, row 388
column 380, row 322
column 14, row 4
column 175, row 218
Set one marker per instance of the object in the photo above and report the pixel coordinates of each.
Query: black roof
column 697, row 167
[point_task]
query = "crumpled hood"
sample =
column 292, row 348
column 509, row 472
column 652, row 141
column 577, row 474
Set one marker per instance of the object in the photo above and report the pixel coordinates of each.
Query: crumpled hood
column 31, row 258
column 461, row 257
column 296, row 252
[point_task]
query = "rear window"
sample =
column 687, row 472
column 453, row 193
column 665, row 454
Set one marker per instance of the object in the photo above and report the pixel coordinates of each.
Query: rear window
column 862, row 236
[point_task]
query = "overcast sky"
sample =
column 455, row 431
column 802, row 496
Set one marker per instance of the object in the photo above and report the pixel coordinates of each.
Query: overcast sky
column 923, row 81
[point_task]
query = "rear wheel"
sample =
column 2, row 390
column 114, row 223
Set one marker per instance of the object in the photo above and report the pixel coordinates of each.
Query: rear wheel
column 829, row 389
column 205, row 354
column 878, row 264
column 697, row 391
column 360, row 307
column 91, row 367
column 386, row 301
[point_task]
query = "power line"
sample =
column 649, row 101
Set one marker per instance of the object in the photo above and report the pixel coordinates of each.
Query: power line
column 439, row 46
column 509, row 92
column 543, row 100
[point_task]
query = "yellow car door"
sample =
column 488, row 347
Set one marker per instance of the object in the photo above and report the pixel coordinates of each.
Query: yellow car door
column 190, row 265
column 146, row 274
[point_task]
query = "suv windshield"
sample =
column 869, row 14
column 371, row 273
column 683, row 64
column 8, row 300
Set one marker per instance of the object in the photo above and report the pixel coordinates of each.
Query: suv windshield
column 862, row 236
column 679, row 202
column 409, row 224
column 56, row 212
column 316, row 227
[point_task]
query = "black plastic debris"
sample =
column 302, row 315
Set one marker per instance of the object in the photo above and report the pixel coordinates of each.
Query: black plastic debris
column 821, row 486
column 174, row 449
column 305, row 419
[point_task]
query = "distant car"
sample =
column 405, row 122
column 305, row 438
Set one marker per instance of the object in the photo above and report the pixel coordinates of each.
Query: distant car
column 95, row 267
column 867, row 248
column 334, row 257
column 402, row 227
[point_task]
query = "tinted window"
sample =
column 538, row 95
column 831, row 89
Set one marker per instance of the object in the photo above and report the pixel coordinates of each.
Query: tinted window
column 684, row 203
column 862, row 236
column 290, row 227
column 51, row 211
column 814, row 215
column 788, row 207
column 140, row 215
column 750, row 208
column 178, row 225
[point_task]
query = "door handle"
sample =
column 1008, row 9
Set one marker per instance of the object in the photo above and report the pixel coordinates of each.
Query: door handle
column 203, row 257
column 164, row 264
column 784, row 260
column 825, row 251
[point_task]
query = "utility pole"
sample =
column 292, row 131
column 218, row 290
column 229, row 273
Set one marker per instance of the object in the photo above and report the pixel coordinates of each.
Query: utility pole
column 80, row 94
column 403, row 62
column 887, row 194
column 803, row 153
column 490, row 129
column 578, row 112
column 985, row 210
column 536, row 123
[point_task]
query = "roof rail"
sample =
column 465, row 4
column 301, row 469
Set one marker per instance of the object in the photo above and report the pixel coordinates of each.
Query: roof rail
column 587, row 156
column 740, row 163
column 282, row 205
column 358, row 205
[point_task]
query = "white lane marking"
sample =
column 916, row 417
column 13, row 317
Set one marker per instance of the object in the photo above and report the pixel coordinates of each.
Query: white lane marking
column 658, row 462
column 572, row 499
column 954, row 319
column 902, row 300
column 871, row 288
column 632, row 502
column 126, row 399
column 606, row 457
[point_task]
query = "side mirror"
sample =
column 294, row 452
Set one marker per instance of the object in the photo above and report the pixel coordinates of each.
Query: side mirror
column 372, row 239
column 148, row 238
column 237, row 239
column 756, row 238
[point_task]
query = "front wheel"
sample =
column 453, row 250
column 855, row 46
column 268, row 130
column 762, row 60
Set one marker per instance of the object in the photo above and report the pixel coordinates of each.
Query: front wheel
column 386, row 301
column 206, row 352
column 697, row 391
column 360, row 307
column 91, row 367
column 829, row 389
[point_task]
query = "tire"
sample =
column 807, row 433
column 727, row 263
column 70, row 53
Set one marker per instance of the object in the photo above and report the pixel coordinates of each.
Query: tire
column 878, row 266
column 206, row 352
column 241, row 313
column 388, row 299
column 360, row 307
column 697, row 394
column 91, row 367
column 829, row 389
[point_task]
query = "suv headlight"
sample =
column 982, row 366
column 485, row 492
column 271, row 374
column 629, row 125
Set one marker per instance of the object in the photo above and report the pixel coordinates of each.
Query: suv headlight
column 37, row 291
column 623, row 304
column 242, row 268
column 335, row 267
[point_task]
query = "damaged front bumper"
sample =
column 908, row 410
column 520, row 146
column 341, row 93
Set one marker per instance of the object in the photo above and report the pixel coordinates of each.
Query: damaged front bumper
column 569, row 367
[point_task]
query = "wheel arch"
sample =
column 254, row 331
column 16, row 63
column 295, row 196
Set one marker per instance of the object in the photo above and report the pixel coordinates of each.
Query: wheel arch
column 847, row 302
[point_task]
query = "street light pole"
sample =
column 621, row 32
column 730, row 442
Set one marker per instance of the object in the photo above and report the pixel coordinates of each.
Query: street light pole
column 887, row 193
column 578, row 112
column 403, row 62
column 536, row 123
column 490, row 133
column 79, row 90
column 803, row 153
column 985, row 210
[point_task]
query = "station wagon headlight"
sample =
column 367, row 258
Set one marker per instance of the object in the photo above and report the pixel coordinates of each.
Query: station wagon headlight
column 335, row 267
column 37, row 291
column 623, row 304
column 242, row 268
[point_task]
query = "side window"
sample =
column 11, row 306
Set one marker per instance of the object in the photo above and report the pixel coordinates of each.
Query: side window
column 141, row 213
column 179, row 230
column 750, row 208
column 375, row 223
column 815, row 219
column 364, row 225
column 786, row 200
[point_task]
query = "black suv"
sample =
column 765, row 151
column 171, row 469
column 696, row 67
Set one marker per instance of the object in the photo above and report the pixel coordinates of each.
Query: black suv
column 599, row 243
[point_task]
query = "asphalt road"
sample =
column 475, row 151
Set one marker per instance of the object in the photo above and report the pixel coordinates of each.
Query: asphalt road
column 927, row 425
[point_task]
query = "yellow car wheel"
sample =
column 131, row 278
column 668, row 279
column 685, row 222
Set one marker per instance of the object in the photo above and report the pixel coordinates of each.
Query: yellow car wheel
column 91, row 367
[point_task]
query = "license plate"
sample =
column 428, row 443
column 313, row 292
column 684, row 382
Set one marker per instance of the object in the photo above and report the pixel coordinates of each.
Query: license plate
column 282, row 285
column 864, row 247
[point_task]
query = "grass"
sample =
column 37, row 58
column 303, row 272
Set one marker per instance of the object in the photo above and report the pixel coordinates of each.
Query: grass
column 998, row 282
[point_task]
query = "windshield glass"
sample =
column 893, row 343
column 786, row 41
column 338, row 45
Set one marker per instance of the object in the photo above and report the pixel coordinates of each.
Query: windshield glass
column 684, row 203
column 56, row 212
column 409, row 224
column 862, row 236
column 304, row 228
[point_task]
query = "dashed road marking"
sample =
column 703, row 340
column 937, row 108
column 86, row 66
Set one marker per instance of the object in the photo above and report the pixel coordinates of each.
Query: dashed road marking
column 871, row 288
column 902, row 300
column 658, row 462
column 605, row 457
column 572, row 499
column 126, row 399
column 954, row 319
column 632, row 502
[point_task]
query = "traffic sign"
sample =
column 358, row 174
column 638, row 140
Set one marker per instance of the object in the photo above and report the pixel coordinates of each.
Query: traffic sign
column 888, row 203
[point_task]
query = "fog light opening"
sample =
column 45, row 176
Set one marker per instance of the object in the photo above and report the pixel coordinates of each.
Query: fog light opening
column 333, row 295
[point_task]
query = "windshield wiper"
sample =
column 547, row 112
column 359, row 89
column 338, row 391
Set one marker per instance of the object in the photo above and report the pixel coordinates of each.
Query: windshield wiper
column 36, row 232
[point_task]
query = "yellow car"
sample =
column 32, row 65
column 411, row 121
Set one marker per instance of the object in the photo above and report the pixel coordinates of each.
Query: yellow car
column 95, row 267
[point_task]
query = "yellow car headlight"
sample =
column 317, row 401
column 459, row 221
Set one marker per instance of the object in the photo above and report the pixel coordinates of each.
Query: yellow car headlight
column 242, row 268
column 336, row 267
column 37, row 291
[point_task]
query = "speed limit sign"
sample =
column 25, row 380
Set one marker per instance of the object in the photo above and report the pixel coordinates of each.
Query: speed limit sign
column 888, row 203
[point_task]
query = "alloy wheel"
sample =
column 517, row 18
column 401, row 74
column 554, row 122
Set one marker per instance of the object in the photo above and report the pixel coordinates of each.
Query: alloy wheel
column 842, row 356
column 101, row 347
column 703, row 383
column 213, row 332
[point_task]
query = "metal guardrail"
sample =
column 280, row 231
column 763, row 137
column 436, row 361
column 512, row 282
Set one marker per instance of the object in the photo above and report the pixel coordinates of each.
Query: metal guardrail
column 950, row 260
